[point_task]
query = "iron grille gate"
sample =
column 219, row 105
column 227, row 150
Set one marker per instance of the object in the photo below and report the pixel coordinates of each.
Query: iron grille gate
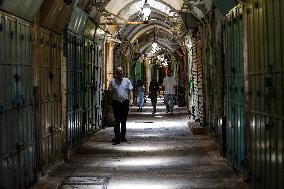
column 17, row 168
column 51, row 131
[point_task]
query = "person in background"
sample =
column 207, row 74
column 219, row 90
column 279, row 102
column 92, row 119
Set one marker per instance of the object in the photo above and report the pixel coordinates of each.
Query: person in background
column 153, row 93
column 140, row 95
column 161, row 88
column 121, row 91
column 169, row 84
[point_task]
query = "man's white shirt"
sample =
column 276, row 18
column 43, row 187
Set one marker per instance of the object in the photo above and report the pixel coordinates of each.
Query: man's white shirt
column 120, row 89
column 169, row 83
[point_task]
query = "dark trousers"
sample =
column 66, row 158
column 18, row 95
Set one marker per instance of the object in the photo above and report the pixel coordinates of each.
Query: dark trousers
column 120, row 112
column 154, row 101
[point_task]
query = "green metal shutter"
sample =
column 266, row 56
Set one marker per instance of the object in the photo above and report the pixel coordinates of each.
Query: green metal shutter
column 234, row 88
column 266, row 90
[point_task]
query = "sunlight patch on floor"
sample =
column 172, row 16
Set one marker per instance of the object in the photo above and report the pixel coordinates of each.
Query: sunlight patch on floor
column 143, row 186
column 156, row 125
column 136, row 148
column 149, row 162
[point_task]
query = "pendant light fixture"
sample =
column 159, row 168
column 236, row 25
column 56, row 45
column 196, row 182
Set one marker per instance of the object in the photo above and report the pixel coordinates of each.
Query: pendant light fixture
column 154, row 44
column 146, row 11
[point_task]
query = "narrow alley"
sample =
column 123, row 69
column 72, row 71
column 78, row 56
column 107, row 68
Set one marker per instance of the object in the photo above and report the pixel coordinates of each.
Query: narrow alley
column 80, row 80
column 161, row 153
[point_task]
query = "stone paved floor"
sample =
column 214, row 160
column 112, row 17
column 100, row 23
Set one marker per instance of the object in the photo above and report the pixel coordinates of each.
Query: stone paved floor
column 161, row 153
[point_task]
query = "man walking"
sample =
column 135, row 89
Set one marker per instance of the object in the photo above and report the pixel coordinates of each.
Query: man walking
column 153, row 90
column 121, row 90
column 169, row 84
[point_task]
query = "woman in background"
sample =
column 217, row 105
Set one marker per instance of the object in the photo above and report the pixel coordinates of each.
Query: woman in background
column 140, row 95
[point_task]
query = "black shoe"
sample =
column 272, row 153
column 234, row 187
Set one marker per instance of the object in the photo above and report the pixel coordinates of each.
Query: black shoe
column 115, row 141
column 123, row 140
column 168, row 110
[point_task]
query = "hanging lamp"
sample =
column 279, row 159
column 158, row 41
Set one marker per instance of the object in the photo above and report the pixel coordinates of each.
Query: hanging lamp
column 146, row 11
column 154, row 44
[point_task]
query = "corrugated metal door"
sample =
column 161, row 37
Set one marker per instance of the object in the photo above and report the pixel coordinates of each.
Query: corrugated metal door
column 17, row 168
column 51, row 131
column 74, row 52
column 98, row 86
column 266, row 90
column 88, row 94
column 234, row 88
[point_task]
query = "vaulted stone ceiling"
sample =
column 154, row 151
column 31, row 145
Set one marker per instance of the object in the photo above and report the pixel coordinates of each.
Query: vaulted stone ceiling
column 168, row 21
column 164, row 26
